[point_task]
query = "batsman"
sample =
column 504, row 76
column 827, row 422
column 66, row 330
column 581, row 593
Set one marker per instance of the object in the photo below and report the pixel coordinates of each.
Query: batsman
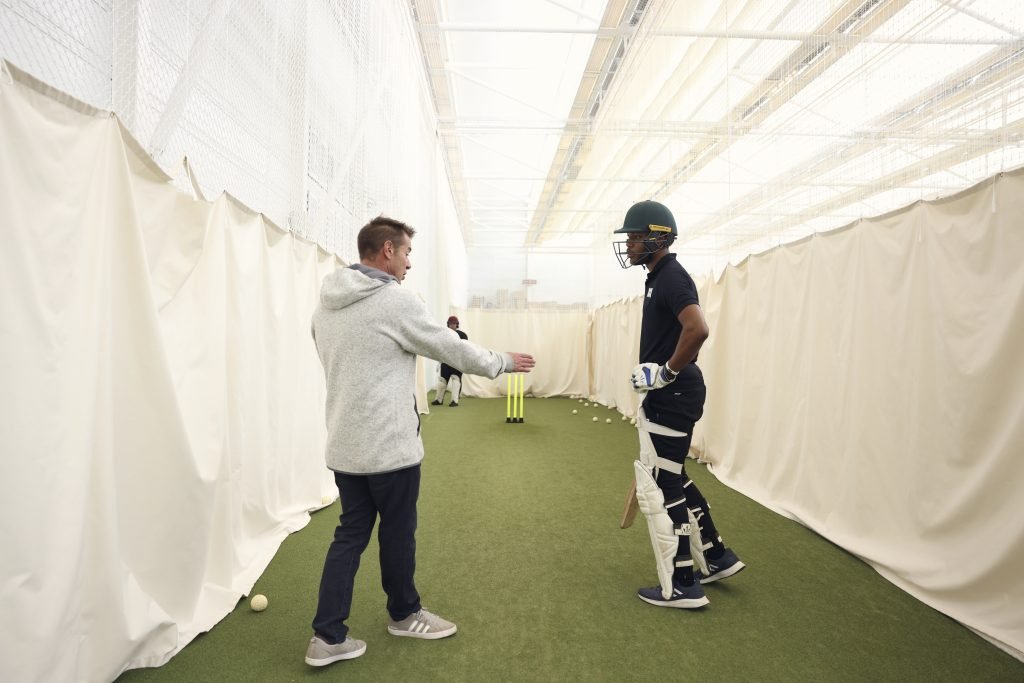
column 687, row 547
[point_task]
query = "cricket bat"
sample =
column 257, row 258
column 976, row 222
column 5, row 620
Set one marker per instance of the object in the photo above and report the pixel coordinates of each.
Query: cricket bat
column 629, row 512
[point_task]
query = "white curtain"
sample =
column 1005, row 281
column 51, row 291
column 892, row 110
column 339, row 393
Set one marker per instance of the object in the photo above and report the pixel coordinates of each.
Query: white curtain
column 558, row 340
column 868, row 383
column 161, row 409
column 616, row 349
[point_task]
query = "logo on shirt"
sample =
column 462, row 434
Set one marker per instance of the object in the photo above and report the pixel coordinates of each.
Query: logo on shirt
column 650, row 292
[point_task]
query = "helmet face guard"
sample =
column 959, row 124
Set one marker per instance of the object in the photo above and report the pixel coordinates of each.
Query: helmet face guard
column 652, row 245
column 622, row 250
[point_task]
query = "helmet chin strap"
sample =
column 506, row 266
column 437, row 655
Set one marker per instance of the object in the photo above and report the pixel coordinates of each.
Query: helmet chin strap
column 653, row 246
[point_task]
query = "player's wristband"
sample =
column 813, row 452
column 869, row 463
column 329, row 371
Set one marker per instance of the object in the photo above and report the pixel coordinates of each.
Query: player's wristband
column 667, row 374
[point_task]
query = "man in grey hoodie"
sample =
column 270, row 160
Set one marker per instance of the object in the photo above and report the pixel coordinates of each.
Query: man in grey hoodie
column 368, row 332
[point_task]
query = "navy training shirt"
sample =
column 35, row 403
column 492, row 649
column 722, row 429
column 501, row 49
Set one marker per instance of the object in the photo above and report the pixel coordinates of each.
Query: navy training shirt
column 668, row 290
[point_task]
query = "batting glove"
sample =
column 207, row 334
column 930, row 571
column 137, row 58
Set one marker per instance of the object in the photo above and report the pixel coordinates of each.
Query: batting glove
column 647, row 376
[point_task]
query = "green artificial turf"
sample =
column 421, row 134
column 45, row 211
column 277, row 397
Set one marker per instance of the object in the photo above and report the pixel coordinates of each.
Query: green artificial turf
column 519, row 544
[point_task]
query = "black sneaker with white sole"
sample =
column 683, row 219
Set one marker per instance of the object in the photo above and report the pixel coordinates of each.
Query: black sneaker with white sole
column 683, row 597
column 722, row 568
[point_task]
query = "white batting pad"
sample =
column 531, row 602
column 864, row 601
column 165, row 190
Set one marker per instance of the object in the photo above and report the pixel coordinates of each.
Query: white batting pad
column 651, row 502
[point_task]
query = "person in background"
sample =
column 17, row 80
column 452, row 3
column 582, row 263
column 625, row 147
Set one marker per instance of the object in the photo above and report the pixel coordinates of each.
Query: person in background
column 672, row 332
column 368, row 331
column 451, row 378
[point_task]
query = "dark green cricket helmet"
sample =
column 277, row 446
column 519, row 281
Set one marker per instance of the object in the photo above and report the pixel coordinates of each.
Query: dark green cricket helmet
column 653, row 219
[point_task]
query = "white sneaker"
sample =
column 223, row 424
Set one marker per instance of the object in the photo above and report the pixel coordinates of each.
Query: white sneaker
column 422, row 624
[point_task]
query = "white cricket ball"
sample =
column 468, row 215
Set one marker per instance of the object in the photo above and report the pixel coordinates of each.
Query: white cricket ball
column 633, row 421
column 586, row 405
column 575, row 411
column 258, row 603
column 623, row 418
column 581, row 400
column 609, row 420
column 595, row 419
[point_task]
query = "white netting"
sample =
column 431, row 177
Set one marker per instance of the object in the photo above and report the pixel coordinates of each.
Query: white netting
column 65, row 44
column 314, row 113
column 759, row 123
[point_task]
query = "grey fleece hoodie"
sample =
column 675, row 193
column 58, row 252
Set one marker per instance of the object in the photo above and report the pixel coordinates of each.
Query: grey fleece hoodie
column 368, row 331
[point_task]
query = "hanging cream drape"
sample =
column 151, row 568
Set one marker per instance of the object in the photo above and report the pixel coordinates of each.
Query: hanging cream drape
column 558, row 340
column 870, row 384
column 161, row 407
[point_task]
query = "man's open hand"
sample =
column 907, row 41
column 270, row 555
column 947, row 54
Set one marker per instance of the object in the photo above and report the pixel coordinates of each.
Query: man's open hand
column 521, row 362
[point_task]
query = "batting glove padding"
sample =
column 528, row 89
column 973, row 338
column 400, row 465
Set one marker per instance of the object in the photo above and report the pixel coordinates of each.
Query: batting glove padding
column 647, row 376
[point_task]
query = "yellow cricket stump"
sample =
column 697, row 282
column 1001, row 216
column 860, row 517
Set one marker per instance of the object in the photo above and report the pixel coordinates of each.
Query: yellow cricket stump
column 514, row 403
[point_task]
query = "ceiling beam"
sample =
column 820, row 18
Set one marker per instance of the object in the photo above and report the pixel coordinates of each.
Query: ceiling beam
column 737, row 34
column 606, row 55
